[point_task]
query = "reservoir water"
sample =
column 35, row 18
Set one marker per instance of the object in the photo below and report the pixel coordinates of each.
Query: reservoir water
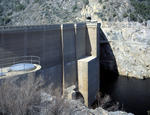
column 133, row 94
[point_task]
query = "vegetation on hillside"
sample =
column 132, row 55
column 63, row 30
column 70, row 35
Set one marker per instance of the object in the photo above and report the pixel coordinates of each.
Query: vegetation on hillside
column 26, row 12
column 7, row 8
column 142, row 10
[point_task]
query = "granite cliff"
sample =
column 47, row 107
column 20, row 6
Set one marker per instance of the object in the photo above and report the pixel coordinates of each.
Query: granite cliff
column 130, row 43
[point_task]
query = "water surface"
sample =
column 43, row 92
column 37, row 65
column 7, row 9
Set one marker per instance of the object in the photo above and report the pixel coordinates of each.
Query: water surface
column 133, row 94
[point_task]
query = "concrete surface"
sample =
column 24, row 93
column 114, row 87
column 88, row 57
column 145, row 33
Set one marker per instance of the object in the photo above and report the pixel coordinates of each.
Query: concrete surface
column 88, row 78
column 63, row 50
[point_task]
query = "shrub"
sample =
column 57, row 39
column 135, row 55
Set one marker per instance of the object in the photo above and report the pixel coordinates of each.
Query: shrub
column 114, row 15
column 18, row 100
column 129, row 11
column 23, row 97
column 104, row 19
column 99, row 14
column 1, row 11
column 125, row 15
column 86, row 2
column 75, row 7
column 1, row 22
column 140, row 20
column 36, row 1
column 100, row 1
column 107, row 103
column 142, row 8
column 133, row 17
column 6, row 20
column 104, row 7
column 19, row 7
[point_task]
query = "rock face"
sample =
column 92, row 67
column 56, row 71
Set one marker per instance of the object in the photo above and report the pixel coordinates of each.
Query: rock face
column 35, row 12
column 130, row 44
column 80, row 109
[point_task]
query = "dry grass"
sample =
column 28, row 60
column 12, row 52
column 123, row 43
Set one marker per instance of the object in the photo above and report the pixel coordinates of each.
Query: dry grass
column 19, row 100
column 58, row 106
column 107, row 103
column 24, row 98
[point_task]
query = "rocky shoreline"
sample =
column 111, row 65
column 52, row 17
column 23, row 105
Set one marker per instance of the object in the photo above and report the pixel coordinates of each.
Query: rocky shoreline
column 75, row 107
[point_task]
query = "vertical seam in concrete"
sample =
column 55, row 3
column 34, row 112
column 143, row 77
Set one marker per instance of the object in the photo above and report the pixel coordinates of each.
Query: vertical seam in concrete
column 87, row 65
column 99, row 53
column 86, row 32
column 98, row 39
column 75, row 36
column 63, row 70
column 43, row 44
column 25, row 42
column 2, row 41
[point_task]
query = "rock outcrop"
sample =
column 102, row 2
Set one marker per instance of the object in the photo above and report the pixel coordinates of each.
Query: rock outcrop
column 53, row 104
column 80, row 109
column 130, row 44
column 37, row 12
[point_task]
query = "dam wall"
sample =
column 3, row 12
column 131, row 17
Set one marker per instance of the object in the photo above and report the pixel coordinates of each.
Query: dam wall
column 69, row 53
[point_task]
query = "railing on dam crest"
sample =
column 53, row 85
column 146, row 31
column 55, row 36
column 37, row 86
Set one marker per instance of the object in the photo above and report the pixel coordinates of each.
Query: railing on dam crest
column 23, row 62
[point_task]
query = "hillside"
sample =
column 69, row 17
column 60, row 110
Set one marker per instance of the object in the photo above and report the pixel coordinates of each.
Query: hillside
column 34, row 12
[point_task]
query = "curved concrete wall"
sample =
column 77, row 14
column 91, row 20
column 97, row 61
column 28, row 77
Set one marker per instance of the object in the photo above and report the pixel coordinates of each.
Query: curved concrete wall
column 60, row 48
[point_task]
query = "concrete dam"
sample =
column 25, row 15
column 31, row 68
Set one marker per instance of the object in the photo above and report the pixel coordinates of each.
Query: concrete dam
column 69, row 54
column 78, row 57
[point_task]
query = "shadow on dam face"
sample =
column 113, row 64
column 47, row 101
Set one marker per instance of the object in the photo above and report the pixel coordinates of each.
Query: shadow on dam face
column 133, row 94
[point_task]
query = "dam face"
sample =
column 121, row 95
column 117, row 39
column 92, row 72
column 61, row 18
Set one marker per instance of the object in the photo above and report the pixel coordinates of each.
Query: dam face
column 69, row 53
